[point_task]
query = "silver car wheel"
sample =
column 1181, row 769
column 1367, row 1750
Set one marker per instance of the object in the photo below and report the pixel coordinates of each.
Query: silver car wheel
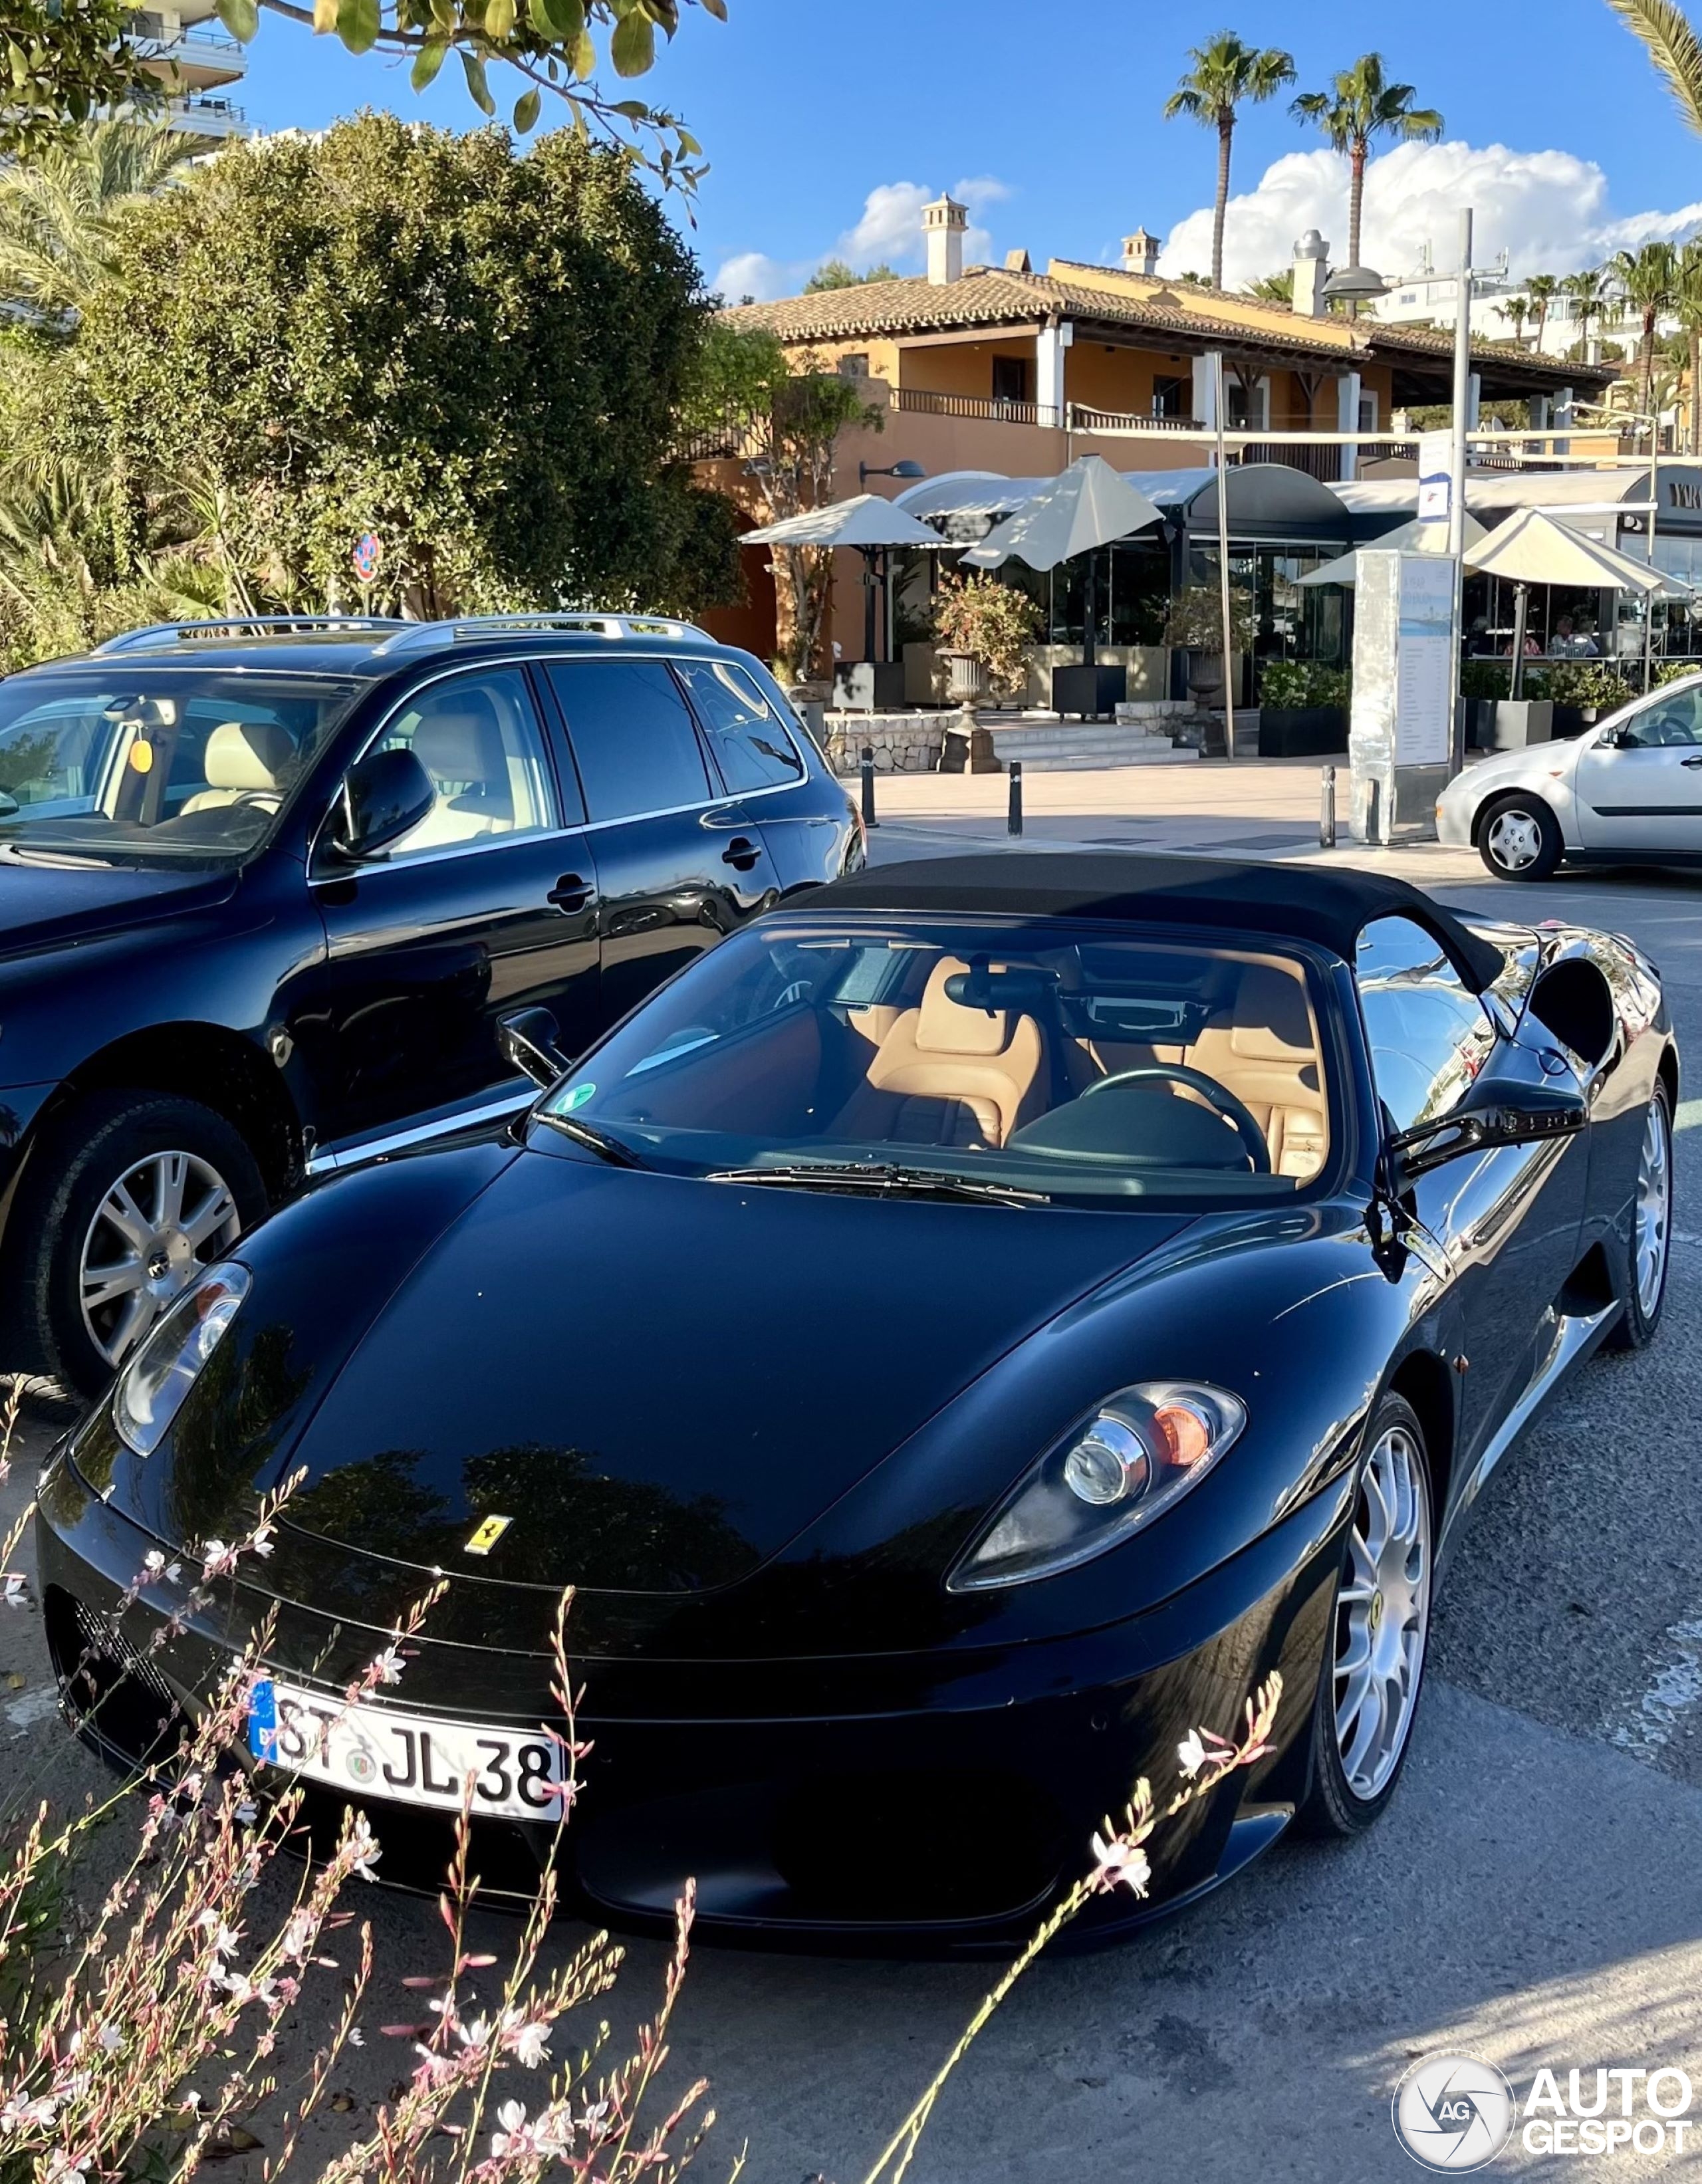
column 1514, row 840
column 1382, row 1614
column 1653, row 1215
column 164, row 1218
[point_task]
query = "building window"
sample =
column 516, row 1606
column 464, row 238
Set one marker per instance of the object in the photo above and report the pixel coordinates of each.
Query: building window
column 1246, row 409
column 1011, row 379
column 1368, row 413
column 1169, row 395
column 854, row 365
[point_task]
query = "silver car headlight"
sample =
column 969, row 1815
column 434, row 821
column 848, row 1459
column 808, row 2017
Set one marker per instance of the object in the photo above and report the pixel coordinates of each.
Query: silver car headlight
column 1136, row 1457
column 152, row 1388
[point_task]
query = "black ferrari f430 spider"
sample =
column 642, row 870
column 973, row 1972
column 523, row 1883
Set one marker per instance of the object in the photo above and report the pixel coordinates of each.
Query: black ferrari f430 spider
column 964, row 1331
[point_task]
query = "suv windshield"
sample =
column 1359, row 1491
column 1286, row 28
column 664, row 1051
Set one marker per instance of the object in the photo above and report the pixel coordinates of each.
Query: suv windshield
column 138, row 763
column 1036, row 1063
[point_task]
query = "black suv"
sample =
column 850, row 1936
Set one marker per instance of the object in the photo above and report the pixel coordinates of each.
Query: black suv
column 268, row 890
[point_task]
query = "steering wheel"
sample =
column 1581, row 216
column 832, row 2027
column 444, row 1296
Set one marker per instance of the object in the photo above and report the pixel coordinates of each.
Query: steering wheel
column 1230, row 1108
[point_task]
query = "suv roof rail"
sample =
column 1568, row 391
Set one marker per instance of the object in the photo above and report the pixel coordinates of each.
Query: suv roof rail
column 165, row 632
column 586, row 624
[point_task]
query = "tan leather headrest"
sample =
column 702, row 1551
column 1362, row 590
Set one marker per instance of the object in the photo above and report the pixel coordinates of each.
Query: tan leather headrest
column 248, row 754
column 944, row 1026
column 454, row 746
column 1270, row 1019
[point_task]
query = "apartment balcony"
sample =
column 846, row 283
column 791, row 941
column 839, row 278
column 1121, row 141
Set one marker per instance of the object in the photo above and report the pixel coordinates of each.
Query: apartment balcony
column 1082, row 418
column 990, row 409
column 187, row 59
column 214, row 118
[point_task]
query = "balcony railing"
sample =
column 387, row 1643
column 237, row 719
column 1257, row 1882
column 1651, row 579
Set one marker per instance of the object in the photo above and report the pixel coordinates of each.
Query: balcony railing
column 726, row 438
column 989, row 408
column 1083, row 418
column 1323, row 462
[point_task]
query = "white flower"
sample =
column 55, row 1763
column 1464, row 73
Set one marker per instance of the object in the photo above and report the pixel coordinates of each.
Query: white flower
column 1191, row 1752
column 217, row 1560
column 22, row 2111
column 1117, row 1861
column 363, row 1848
column 357, row 2038
column 260, row 1541
column 111, row 2038
column 386, row 1666
column 529, row 2042
column 298, row 1935
column 225, row 1942
column 14, row 1588
column 513, row 2138
column 64, row 2169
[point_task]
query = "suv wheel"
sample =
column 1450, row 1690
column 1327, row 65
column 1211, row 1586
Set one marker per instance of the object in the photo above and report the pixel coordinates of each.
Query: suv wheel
column 1520, row 838
column 128, row 1195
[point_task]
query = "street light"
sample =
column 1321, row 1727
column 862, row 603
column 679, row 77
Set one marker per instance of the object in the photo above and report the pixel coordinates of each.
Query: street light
column 905, row 469
column 1354, row 284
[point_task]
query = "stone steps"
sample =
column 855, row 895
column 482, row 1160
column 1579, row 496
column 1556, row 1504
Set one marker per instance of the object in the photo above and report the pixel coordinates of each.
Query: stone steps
column 1077, row 744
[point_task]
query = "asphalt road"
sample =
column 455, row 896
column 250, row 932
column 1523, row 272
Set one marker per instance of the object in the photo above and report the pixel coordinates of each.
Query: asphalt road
column 1534, row 1895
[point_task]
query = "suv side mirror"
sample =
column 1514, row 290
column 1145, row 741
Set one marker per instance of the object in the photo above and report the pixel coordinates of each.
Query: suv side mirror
column 384, row 797
column 1487, row 1116
column 527, row 1040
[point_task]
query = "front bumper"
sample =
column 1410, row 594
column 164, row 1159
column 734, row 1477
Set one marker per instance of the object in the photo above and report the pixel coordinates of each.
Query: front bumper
column 1454, row 815
column 940, row 1799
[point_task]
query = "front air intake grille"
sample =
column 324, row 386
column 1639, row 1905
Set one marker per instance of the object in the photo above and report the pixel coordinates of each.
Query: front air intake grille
column 114, row 1695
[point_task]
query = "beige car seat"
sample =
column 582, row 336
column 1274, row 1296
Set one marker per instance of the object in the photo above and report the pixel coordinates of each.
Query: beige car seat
column 947, row 1075
column 245, row 761
column 1264, row 1048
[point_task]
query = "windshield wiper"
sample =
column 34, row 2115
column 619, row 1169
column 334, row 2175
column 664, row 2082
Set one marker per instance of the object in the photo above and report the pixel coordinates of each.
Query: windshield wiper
column 889, row 1180
column 595, row 1140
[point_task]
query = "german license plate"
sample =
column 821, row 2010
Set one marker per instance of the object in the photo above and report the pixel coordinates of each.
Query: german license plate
column 415, row 1759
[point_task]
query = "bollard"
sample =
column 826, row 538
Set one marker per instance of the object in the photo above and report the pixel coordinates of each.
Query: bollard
column 1326, row 810
column 868, row 817
column 1013, row 823
column 1374, row 812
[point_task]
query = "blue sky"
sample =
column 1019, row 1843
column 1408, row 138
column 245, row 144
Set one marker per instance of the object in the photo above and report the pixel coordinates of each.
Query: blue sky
column 815, row 114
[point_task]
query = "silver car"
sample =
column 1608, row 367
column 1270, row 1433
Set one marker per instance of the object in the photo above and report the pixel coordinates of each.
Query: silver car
column 1628, row 790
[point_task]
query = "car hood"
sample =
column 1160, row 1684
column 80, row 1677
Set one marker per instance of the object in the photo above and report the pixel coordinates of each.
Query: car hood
column 43, row 903
column 638, row 1382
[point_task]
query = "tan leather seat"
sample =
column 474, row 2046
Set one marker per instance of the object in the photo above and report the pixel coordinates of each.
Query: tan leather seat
column 1264, row 1048
column 245, row 761
column 460, row 747
column 948, row 1075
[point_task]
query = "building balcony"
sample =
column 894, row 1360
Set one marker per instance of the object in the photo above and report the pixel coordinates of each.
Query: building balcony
column 196, row 60
column 213, row 118
column 1082, row 418
column 989, row 409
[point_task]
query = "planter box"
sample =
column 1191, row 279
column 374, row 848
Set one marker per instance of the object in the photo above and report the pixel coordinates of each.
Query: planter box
column 1089, row 691
column 924, row 675
column 1479, row 722
column 1148, row 667
column 1519, row 722
column 1302, row 730
column 869, row 686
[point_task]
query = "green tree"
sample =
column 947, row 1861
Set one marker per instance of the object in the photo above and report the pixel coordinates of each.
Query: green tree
column 1688, row 341
column 1360, row 106
column 1226, row 75
column 479, row 356
column 1542, row 288
column 1273, row 287
column 69, row 58
column 1587, row 292
column 1649, row 281
column 835, row 273
column 1513, row 310
column 1673, row 47
column 57, row 211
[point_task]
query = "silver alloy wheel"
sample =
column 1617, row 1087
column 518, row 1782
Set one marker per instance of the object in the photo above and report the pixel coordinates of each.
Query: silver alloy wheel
column 163, row 1219
column 1514, row 840
column 1382, row 1614
column 1653, row 1215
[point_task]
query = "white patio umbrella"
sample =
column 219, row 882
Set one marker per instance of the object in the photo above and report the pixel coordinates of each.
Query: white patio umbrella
column 1532, row 547
column 1414, row 537
column 1087, row 506
column 874, row 525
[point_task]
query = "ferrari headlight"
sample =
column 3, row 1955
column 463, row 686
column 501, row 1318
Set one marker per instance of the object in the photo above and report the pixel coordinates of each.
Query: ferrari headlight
column 1138, row 1453
column 152, row 1388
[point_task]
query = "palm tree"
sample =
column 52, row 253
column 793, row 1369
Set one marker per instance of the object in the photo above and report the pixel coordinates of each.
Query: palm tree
column 1689, row 308
column 1542, row 288
column 1589, row 301
column 57, row 211
column 1673, row 47
column 1360, row 106
column 1225, row 73
column 1272, row 287
column 1513, row 311
column 1649, row 279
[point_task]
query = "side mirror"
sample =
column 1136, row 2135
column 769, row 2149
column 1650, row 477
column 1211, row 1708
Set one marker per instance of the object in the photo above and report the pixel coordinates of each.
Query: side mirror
column 1489, row 1116
column 527, row 1040
column 382, row 798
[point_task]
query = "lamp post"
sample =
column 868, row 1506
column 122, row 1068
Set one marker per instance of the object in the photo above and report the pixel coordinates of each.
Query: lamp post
column 908, row 469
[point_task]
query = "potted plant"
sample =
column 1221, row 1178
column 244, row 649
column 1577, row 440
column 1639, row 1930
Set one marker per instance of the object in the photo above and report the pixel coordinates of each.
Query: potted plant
column 982, row 628
column 1580, row 691
column 1195, row 626
column 1482, row 682
column 1303, row 709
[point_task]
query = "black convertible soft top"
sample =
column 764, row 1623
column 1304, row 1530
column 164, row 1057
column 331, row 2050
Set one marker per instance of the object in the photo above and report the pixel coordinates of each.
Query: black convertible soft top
column 1302, row 902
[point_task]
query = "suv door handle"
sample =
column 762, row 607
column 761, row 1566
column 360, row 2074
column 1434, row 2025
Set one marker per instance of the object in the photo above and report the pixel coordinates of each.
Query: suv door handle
column 1693, row 763
column 570, row 893
column 741, row 853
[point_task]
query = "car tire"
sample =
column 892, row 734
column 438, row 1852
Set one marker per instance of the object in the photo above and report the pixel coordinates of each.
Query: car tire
column 1648, row 1250
column 1357, row 1754
column 154, row 1146
column 1519, row 838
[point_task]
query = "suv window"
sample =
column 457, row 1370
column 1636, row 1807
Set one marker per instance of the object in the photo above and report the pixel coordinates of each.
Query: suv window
column 747, row 733
column 633, row 740
column 478, row 736
column 1676, row 719
column 1429, row 1033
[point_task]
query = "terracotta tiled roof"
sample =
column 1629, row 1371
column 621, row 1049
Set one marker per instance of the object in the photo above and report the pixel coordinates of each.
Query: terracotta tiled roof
column 988, row 296
column 1436, row 340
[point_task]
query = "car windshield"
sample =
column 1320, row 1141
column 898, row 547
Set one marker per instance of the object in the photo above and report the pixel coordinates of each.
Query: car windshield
column 142, row 764
column 1028, row 1064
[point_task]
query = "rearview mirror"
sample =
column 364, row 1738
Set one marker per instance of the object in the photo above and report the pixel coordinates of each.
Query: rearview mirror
column 384, row 797
column 1487, row 1116
column 527, row 1040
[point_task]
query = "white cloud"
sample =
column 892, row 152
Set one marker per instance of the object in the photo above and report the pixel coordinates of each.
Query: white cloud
column 888, row 232
column 1549, row 210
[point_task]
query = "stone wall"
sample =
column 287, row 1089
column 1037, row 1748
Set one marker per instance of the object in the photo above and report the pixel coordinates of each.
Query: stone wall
column 902, row 743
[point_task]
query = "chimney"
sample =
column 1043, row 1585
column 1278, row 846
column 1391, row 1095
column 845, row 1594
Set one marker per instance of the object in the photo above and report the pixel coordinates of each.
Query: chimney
column 1017, row 261
column 943, row 223
column 1140, row 254
column 1311, row 271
